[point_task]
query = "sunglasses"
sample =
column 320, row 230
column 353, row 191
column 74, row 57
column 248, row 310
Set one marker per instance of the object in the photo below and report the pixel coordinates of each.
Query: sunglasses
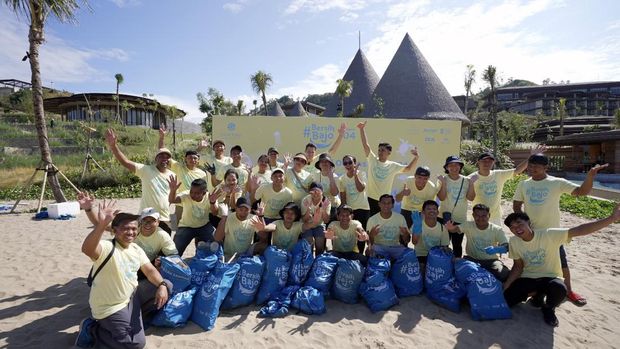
column 345, row 163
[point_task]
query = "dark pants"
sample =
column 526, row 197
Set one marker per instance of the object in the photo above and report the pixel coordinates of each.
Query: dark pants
column 457, row 244
column 352, row 256
column 185, row 235
column 374, row 207
column 362, row 217
column 493, row 266
column 553, row 288
column 122, row 329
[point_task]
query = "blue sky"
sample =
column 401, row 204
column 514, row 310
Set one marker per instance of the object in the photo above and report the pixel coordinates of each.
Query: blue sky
column 174, row 49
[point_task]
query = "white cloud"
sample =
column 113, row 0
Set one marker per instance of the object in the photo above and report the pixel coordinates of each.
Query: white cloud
column 491, row 33
column 235, row 6
column 349, row 17
column 126, row 3
column 320, row 80
column 324, row 5
column 60, row 62
column 189, row 106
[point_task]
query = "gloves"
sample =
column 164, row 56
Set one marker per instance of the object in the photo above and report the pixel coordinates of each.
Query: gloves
column 209, row 168
column 496, row 249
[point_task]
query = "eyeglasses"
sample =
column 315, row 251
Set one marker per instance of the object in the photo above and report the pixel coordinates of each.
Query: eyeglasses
column 345, row 163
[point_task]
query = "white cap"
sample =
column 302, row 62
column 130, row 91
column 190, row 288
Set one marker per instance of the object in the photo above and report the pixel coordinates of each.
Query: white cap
column 149, row 212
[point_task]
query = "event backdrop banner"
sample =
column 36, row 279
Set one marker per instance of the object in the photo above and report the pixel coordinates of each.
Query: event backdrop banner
column 435, row 139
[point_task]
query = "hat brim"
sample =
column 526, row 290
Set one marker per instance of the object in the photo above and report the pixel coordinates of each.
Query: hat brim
column 318, row 163
column 454, row 162
column 300, row 158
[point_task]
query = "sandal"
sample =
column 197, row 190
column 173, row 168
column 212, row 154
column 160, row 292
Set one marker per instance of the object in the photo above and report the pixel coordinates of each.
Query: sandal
column 576, row 299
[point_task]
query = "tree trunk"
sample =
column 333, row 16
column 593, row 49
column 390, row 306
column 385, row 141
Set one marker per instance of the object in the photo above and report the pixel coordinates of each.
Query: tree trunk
column 469, row 128
column 35, row 37
column 118, row 106
column 265, row 102
column 494, row 119
column 342, row 106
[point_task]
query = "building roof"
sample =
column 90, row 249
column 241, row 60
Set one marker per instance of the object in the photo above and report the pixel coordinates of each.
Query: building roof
column 298, row 110
column 364, row 78
column 559, row 87
column 586, row 138
column 57, row 104
column 410, row 89
column 276, row 110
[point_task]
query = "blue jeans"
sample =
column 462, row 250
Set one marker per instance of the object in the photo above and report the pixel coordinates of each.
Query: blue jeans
column 184, row 236
column 317, row 232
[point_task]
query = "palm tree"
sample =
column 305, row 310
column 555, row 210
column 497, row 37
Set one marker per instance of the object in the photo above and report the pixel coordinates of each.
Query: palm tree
column 490, row 76
column 255, row 102
column 260, row 81
column 562, row 114
column 119, row 80
column 240, row 106
column 37, row 12
column 343, row 90
column 470, row 78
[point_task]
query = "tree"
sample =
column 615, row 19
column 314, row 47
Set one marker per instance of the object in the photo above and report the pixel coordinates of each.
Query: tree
column 260, row 81
column 359, row 110
column 38, row 12
column 173, row 113
column 255, row 102
column 562, row 114
column 119, row 80
column 490, row 76
column 240, row 107
column 343, row 90
column 470, row 78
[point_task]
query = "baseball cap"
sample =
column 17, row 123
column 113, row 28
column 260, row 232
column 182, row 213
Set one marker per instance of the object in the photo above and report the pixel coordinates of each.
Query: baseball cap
column 149, row 212
column 538, row 159
column 163, row 151
column 315, row 185
column 243, row 202
column 301, row 156
column 219, row 141
column 485, row 155
column 423, row 171
column 123, row 217
column 273, row 149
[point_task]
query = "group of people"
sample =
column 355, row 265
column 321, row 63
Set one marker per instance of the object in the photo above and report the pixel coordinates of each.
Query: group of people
column 245, row 209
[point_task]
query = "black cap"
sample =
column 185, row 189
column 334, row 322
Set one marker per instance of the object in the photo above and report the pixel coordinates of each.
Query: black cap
column 273, row 149
column 344, row 207
column 237, row 147
column 123, row 217
column 291, row 206
column 243, row 202
column 485, row 155
column 453, row 159
column 325, row 157
column 538, row 159
column 315, row 185
column 423, row 171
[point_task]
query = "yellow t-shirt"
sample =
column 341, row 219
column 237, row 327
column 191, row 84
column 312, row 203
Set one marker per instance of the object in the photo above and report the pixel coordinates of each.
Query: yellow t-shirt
column 117, row 280
column 312, row 207
column 478, row 240
column 238, row 234
column 346, row 239
column 262, row 177
column 356, row 199
column 415, row 200
column 541, row 255
column 310, row 168
column 243, row 174
column 541, row 200
column 459, row 213
column 155, row 243
column 489, row 191
column 195, row 213
column 186, row 176
column 297, row 186
column 324, row 180
column 274, row 201
column 381, row 176
column 431, row 237
column 211, row 160
column 155, row 189
column 389, row 229
column 286, row 238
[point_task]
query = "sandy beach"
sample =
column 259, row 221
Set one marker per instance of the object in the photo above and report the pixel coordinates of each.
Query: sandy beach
column 43, row 297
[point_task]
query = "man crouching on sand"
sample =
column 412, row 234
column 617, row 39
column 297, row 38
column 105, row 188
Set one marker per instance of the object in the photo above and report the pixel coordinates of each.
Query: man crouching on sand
column 116, row 318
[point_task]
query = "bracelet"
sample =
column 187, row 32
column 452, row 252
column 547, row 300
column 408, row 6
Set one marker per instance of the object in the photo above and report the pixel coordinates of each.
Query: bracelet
column 163, row 283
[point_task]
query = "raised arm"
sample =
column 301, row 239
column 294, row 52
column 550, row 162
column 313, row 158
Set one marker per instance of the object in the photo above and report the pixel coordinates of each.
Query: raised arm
column 90, row 246
column 362, row 126
column 334, row 148
column 220, row 231
column 443, row 191
column 174, row 186
column 588, row 182
column 111, row 139
column 162, row 136
column 333, row 186
column 591, row 227
column 471, row 192
column 359, row 185
column 86, row 203
column 414, row 160
column 405, row 192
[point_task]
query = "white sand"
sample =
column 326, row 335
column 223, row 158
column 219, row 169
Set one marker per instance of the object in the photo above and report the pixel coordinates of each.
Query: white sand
column 43, row 297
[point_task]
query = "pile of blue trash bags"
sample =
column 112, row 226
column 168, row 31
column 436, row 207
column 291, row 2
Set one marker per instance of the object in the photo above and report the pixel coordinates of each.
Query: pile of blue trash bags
column 280, row 280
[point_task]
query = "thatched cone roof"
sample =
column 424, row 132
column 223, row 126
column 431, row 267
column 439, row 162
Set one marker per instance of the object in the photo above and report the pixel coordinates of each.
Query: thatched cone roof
column 364, row 78
column 276, row 110
column 410, row 89
column 298, row 110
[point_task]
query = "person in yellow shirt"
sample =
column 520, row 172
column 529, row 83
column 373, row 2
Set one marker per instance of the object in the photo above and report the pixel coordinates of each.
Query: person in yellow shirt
column 152, row 239
column 433, row 233
column 116, row 318
column 484, row 241
column 215, row 159
column 310, row 150
column 154, row 179
column 539, row 197
column 285, row 231
column 243, row 170
column 352, row 187
column 296, row 178
column 345, row 233
column 454, row 191
column 274, row 195
column 328, row 179
column 236, row 231
column 387, row 230
column 228, row 193
column 315, row 209
column 537, row 266
column 381, row 171
column 273, row 154
column 262, row 172
column 416, row 191
column 197, row 206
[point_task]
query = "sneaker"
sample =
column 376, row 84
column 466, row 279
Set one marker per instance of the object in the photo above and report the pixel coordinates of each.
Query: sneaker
column 84, row 338
column 538, row 300
column 549, row 317
column 576, row 299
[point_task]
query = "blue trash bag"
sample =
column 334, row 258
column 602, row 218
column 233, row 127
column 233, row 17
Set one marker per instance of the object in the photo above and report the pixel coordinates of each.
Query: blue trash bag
column 376, row 288
column 279, row 303
column 309, row 301
column 322, row 273
column 484, row 291
column 441, row 286
column 177, row 310
column 174, row 269
column 246, row 282
column 302, row 259
column 205, row 249
column 406, row 275
column 201, row 266
column 212, row 293
column 349, row 275
column 277, row 264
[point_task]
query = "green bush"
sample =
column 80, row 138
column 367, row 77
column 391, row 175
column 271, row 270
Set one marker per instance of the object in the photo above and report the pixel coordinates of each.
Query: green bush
column 470, row 150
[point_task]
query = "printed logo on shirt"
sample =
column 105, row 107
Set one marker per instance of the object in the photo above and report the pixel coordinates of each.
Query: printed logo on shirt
column 351, row 191
column 129, row 268
column 389, row 233
column 346, row 240
column 243, row 235
column 537, row 195
column 380, row 172
column 431, row 241
column 488, row 189
column 198, row 212
column 480, row 243
column 535, row 258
